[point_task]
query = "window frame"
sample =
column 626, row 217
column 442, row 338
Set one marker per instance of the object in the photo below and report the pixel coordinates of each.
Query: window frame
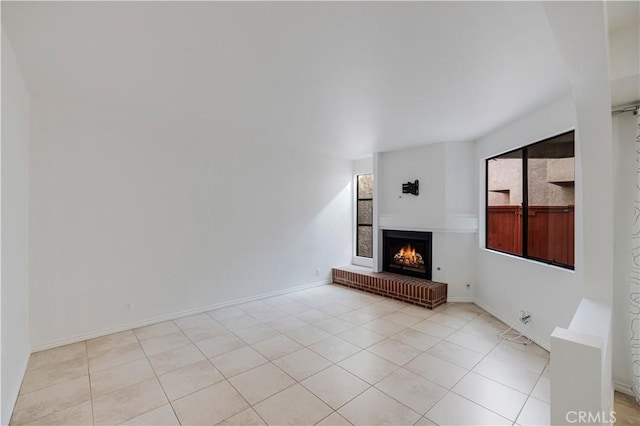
column 357, row 225
column 525, row 202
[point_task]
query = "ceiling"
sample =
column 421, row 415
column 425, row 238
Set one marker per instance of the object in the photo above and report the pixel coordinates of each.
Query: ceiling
column 346, row 79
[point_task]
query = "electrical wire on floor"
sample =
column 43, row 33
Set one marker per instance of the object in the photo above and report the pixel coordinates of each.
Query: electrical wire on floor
column 514, row 337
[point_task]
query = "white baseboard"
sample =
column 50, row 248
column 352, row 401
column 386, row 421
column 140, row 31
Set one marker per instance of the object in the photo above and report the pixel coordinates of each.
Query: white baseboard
column 171, row 316
column 623, row 388
column 544, row 343
column 460, row 299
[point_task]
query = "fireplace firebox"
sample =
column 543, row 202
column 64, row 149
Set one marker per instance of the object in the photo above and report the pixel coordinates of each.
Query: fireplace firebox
column 407, row 253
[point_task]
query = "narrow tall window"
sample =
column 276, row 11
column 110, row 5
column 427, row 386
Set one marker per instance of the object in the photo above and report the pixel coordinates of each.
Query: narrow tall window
column 364, row 216
column 531, row 201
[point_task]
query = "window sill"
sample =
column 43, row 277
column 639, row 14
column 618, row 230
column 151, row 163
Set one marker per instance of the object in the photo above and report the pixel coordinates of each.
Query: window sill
column 362, row 261
column 531, row 261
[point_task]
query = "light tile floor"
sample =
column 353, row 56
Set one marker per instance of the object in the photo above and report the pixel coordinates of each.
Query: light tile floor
column 328, row 355
column 627, row 410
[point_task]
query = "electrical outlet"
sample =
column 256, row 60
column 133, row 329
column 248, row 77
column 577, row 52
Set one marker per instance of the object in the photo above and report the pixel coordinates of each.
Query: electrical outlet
column 129, row 306
column 525, row 317
column 317, row 272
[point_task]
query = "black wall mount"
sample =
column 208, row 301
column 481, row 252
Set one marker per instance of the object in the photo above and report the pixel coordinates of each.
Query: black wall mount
column 411, row 188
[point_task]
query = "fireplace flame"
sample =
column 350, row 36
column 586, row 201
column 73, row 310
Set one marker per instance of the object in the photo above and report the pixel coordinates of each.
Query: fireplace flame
column 407, row 256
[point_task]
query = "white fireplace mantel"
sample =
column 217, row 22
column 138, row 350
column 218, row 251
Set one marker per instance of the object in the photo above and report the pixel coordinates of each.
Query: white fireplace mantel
column 454, row 223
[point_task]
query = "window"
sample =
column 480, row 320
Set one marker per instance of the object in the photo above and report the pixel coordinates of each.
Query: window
column 364, row 216
column 531, row 201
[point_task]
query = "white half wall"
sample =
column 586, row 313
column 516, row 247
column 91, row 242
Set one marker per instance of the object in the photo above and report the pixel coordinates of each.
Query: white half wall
column 14, row 230
column 133, row 220
column 507, row 284
column 624, row 166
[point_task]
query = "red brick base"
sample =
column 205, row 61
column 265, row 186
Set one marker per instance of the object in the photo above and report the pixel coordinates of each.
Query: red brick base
column 407, row 289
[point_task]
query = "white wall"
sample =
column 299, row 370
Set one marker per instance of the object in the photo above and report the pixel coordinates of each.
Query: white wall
column 624, row 59
column 167, row 220
column 624, row 156
column 446, row 206
column 580, row 31
column 624, row 56
column 14, row 229
column 507, row 284
column 460, row 184
column 427, row 164
column 458, row 266
column 363, row 166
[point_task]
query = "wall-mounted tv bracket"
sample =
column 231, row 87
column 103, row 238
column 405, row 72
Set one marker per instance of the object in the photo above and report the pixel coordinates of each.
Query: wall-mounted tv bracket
column 411, row 188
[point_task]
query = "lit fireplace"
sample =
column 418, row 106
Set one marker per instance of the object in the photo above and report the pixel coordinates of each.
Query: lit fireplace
column 407, row 253
column 407, row 256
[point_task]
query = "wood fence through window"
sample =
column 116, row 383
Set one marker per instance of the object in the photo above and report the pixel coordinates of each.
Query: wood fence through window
column 550, row 236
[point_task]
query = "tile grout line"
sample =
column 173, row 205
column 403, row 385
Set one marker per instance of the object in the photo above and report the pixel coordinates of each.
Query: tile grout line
column 148, row 360
column 308, row 347
column 226, row 379
column 155, row 374
column 366, row 349
column 495, row 381
column 450, row 390
column 441, row 339
column 295, row 380
column 12, row 423
column 332, row 363
column 377, row 316
column 529, row 396
column 303, row 347
column 334, row 412
column 138, row 342
column 238, row 392
column 361, row 350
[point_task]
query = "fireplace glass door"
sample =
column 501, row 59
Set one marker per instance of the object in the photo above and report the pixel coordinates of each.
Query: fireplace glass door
column 408, row 253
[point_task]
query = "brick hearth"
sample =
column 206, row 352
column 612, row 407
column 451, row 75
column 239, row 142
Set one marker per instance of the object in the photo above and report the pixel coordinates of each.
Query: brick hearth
column 407, row 289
